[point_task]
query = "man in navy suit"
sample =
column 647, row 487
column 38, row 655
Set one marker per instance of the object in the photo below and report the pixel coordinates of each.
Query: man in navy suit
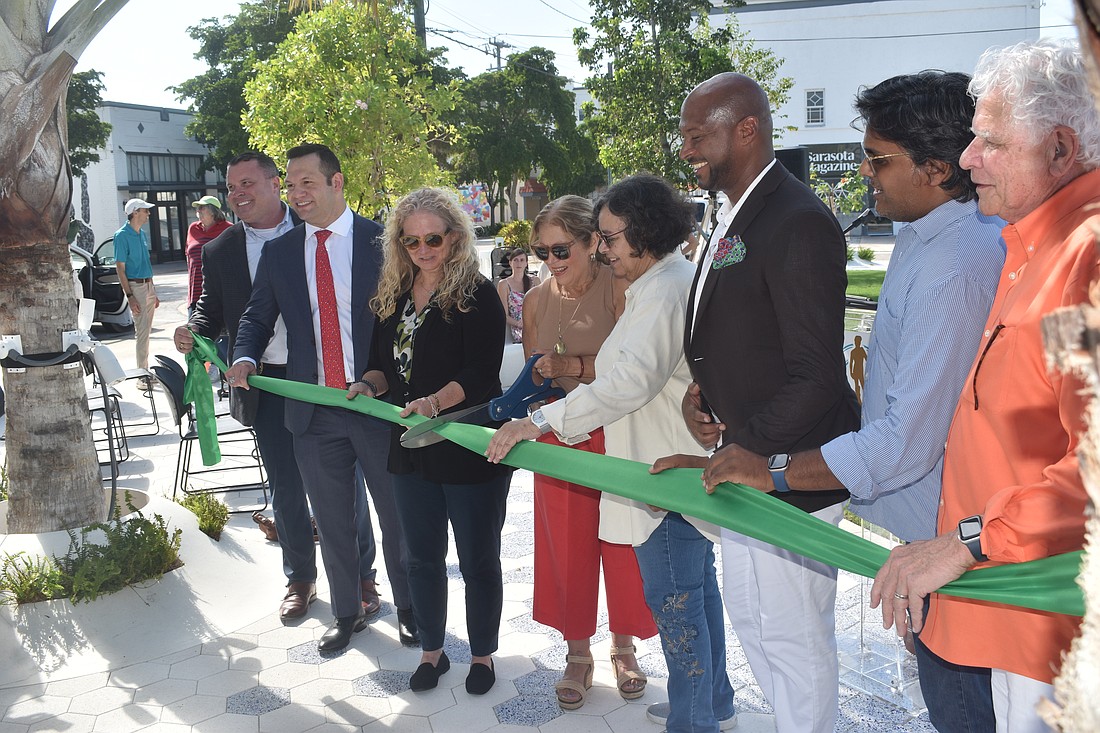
column 229, row 264
column 320, row 278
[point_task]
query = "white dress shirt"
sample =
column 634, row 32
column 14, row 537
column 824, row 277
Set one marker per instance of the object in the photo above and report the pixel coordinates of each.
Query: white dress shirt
column 339, row 246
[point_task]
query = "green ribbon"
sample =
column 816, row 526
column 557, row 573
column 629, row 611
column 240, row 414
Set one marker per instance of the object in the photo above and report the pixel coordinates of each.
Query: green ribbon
column 1048, row 584
column 198, row 391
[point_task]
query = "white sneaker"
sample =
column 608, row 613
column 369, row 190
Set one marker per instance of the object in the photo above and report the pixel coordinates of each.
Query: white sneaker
column 658, row 713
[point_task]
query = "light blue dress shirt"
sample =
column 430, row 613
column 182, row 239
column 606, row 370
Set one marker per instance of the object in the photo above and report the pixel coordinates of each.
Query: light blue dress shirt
column 934, row 302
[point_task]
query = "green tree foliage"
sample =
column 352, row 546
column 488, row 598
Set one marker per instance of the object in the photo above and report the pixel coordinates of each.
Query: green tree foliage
column 520, row 119
column 231, row 46
column 658, row 51
column 87, row 133
column 848, row 195
column 353, row 77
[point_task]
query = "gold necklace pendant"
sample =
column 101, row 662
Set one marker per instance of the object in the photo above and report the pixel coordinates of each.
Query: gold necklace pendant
column 559, row 347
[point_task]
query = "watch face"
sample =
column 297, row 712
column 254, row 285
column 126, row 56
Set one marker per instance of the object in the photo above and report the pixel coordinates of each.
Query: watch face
column 970, row 528
column 778, row 462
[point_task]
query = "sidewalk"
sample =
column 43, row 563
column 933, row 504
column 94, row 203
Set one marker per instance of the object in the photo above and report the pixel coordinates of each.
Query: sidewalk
column 203, row 650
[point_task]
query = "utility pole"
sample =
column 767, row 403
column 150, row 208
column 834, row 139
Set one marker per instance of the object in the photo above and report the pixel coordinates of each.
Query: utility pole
column 418, row 22
column 499, row 45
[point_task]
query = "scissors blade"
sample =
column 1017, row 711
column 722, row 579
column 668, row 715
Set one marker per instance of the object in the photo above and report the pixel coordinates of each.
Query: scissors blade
column 423, row 434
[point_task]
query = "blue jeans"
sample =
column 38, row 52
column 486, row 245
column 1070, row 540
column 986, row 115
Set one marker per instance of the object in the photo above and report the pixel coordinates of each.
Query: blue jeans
column 959, row 699
column 681, row 589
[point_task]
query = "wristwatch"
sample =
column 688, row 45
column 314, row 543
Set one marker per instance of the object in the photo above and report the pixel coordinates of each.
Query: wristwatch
column 778, row 465
column 539, row 420
column 970, row 534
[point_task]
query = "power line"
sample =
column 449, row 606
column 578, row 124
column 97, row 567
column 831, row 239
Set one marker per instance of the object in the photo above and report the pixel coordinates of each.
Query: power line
column 562, row 12
column 904, row 35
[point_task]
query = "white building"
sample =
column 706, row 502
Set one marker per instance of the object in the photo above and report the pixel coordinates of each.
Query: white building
column 147, row 156
column 831, row 48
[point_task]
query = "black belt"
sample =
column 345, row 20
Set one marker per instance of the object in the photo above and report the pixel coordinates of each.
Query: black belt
column 140, row 279
column 265, row 367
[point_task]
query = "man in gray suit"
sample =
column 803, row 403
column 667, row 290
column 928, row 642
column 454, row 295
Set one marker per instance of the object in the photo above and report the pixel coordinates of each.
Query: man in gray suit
column 320, row 277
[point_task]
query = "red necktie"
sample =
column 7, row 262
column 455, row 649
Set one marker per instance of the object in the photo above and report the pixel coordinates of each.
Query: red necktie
column 332, row 350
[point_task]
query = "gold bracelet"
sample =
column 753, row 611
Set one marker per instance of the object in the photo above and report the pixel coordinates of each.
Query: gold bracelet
column 581, row 360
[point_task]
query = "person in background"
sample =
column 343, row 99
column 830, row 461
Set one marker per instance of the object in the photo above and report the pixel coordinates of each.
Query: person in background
column 513, row 289
column 135, row 275
column 210, row 223
column 438, row 346
column 640, row 378
column 567, row 319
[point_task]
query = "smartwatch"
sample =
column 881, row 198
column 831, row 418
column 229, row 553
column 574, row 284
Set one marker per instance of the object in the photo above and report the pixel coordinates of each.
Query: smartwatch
column 970, row 534
column 540, row 421
column 778, row 465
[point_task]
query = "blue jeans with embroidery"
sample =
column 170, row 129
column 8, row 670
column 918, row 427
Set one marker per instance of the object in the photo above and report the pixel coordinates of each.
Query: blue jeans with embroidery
column 681, row 589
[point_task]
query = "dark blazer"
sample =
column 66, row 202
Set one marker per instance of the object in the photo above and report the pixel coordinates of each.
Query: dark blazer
column 767, row 348
column 280, row 289
column 468, row 349
column 227, row 285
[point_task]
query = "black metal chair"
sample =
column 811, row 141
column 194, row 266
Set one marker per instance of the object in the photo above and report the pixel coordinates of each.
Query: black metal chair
column 108, row 368
column 230, row 433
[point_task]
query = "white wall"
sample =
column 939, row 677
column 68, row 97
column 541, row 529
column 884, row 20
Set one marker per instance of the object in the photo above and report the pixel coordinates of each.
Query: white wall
column 840, row 46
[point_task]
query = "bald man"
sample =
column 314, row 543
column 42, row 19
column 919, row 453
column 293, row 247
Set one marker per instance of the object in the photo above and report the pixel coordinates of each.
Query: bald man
column 765, row 343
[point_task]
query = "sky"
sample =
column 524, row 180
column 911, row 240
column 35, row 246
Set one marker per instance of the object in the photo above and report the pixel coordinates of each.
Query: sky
column 146, row 48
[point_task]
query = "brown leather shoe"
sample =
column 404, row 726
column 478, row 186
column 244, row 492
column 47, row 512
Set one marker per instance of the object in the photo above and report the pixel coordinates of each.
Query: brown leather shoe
column 267, row 526
column 371, row 602
column 297, row 599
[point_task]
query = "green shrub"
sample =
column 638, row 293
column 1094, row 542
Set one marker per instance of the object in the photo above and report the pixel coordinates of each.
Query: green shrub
column 516, row 233
column 28, row 580
column 488, row 230
column 136, row 550
column 212, row 514
column 866, row 254
column 851, row 253
column 3, row 483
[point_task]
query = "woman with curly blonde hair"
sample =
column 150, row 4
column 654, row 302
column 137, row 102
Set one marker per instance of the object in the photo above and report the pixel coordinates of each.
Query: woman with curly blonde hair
column 437, row 347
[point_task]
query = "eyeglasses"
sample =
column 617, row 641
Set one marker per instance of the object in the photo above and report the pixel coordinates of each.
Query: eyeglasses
column 560, row 251
column 605, row 239
column 435, row 241
column 872, row 158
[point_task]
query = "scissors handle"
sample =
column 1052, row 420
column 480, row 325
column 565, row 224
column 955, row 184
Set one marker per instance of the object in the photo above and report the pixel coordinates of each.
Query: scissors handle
column 524, row 391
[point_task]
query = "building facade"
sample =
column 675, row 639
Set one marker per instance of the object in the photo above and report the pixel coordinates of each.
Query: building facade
column 147, row 156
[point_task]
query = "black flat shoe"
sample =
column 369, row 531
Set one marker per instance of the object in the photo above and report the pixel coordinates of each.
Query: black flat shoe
column 339, row 634
column 481, row 678
column 406, row 627
column 426, row 677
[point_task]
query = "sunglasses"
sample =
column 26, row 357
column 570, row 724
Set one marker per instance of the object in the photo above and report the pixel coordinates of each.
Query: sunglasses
column 435, row 241
column 605, row 239
column 872, row 159
column 560, row 251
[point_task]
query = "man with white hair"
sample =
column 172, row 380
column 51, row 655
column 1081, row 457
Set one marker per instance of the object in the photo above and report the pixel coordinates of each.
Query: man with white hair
column 1011, row 487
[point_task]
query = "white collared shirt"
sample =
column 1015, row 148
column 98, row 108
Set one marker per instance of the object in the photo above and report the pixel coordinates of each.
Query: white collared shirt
column 339, row 246
column 254, row 241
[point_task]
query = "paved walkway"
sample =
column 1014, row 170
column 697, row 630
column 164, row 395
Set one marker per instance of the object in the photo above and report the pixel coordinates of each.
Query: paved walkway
column 202, row 650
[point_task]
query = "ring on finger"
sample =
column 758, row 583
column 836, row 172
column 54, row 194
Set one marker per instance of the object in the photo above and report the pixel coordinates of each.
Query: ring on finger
column 901, row 596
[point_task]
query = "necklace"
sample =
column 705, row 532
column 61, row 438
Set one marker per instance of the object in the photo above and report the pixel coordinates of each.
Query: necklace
column 559, row 347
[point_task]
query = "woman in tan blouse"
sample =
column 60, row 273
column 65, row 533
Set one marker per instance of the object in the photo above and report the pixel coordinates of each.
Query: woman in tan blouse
column 566, row 319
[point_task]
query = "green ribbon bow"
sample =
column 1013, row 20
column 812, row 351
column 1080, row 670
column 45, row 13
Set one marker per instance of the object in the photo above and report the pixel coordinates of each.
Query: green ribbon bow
column 1048, row 584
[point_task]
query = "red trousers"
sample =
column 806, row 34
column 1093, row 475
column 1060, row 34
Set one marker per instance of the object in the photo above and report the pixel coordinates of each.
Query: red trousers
column 568, row 552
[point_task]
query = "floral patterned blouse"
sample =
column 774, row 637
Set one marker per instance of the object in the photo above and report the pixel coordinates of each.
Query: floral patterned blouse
column 403, row 340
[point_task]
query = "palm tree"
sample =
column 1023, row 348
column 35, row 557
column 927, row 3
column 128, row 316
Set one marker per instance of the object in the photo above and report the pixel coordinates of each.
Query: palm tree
column 52, row 468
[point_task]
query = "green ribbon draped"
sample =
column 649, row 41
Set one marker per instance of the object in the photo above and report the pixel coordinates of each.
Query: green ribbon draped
column 197, row 391
column 1048, row 584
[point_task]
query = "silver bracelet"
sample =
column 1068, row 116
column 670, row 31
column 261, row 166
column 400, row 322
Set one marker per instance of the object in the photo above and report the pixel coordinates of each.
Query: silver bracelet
column 433, row 401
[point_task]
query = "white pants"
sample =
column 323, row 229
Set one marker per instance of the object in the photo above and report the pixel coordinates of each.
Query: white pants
column 1014, row 701
column 781, row 605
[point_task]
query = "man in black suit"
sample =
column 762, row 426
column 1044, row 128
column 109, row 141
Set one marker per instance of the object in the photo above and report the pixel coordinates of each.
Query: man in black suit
column 350, row 549
column 764, row 340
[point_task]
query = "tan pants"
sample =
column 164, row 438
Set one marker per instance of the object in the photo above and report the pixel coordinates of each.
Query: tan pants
column 146, row 297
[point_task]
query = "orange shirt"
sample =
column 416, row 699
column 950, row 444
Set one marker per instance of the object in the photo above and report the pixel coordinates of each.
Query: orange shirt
column 1012, row 449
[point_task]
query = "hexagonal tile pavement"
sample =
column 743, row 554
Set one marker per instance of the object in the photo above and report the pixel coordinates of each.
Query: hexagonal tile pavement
column 381, row 683
column 530, row 710
column 258, row 700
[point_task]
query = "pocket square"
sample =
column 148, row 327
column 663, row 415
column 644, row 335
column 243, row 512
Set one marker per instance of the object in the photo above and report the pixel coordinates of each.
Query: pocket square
column 730, row 251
